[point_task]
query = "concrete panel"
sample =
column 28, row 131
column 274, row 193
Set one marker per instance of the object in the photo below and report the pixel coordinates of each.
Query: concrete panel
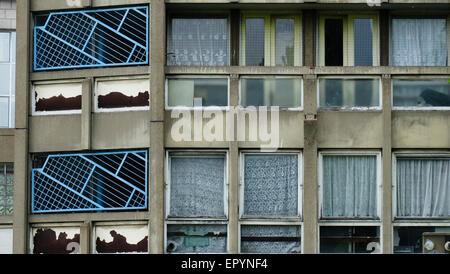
column 55, row 133
column 350, row 129
column 7, row 148
column 115, row 130
column 420, row 129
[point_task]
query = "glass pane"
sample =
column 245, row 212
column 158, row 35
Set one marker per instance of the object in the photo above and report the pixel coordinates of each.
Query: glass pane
column 254, row 42
column 5, row 74
column 13, row 111
column 13, row 47
column 284, row 42
column 6, row 241
column 270, row 239
column 123, row 93
column 57, row 97
column 197, row 186
column 271, row 185
column 423, row 187
column 196, row 239
column 349, row 186
column 210, row 91
column 121, row 239
column 363, row 41
column 6, row 189
column 4, row 47
column 283, row 92
column 13, row 79
column 421, row 93
column 344, row 93
column 410, row 239
column 351, row 239
column 4, row 112
column 334, row 42
column 55, row 240
column 419, row 42
column 198, row 42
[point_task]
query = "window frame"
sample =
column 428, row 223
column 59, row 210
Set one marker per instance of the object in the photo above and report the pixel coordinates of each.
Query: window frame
column 379, row 187
column 270, row 77
column 11, row 96
column 352, row 108
column 418, row 223
column 197, row 76
column 421, row 77
column 75, row 225
column 270, row 38
column 4, row 218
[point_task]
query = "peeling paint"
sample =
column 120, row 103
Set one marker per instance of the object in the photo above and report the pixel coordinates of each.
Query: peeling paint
column 121, row 239
column 128, row 93
column 57, row 97
column 55, row 240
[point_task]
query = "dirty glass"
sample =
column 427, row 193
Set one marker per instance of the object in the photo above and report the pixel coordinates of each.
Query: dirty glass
column 421, row 92
column 282, row 92
column 190, row 92
column 270, row 239
column 349, row 93
column 254, row 42
column 349, row 239
column 189, row 238
column 6, row 189
column 284, row 42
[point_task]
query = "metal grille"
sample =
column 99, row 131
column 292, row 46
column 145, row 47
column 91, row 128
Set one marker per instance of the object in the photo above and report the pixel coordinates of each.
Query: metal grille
column 92, row 38
column 91, row 182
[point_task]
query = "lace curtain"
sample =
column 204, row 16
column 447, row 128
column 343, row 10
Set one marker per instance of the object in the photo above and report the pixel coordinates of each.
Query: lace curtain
column 419, row 42
column 349, row 186
column 197, row 186
column 198, row 42
column 423, row 187
column 261, row 246
column 271, row 185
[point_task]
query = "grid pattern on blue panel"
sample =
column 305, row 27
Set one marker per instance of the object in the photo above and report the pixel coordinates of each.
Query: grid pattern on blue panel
column 92, row 38
column 91, row 182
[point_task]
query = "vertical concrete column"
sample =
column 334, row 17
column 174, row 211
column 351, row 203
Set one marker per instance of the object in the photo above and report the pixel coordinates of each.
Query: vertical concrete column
column 86, row 113
column 384, row 38
column 85, row 239
column 310, row 185
column 20, row 218
column 309, row 38
column 156, row 156
column 386, row 216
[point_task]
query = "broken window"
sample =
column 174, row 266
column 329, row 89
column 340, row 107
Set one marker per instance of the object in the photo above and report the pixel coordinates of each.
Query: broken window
column 187, row 238
column 89, row 182
column 7, row 78
column 421, row 239
column 197, row 42
column 349, row 186
column 121, row 238
column 354, row 93
column 275, row 91
column 55, row 240
column 123, row 94
column 422, row 187
column 197, row 92
column 56, row 97
column 270, row 40
column 197, row 185
column 350, row 239
column 349, row 40
column 271, row 185
column 270, row 239
column 6, row 240
column 91, row 38
column 6, row 189
column 421, row 93
column 419, row 42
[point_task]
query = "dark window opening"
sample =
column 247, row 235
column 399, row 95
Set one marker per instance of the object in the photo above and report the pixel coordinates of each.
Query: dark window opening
column 333, row 42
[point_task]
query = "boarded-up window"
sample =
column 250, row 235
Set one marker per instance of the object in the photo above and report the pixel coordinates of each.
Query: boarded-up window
column 6, row 241
column 121, row 238
column 57, row 97
column 124, row 94
column 55, row 240
column 270, row 239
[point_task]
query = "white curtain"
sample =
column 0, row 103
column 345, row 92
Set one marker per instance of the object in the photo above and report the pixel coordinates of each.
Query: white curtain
column 198, row 42
column 423, row 187
column 349, row 186
column 271, row 185
column 197, row 186
column 419, row 42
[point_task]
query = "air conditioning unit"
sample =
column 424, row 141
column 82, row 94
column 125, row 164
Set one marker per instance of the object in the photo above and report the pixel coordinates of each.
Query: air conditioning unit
column 436, row 242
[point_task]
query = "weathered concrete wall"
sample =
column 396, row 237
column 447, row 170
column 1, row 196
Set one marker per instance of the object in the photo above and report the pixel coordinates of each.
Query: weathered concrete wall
column 7, row 14
column 6, row 145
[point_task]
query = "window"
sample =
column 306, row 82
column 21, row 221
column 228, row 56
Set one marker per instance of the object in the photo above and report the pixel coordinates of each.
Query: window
column 8, row 78
column 197, row 91
column 419, row 42
column 6, row 189
column 56, row 97
column 6, row 240
column 271, row 91
column 117, row 94
column 121, row 238
column 348, row 40
column 349, row 185
column 350, row 239
column 91, row 38
column 421, row 93
column 424, row 238
column 196, row 202
column 198, row 42
column 362, row 93
column 48, row 239
column 422, row 185
column 89, row 182
column 270, row 206
column 270, row 40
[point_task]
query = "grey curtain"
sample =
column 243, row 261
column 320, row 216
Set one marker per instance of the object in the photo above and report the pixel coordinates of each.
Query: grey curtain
column 423, row 187
column 349, row 186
